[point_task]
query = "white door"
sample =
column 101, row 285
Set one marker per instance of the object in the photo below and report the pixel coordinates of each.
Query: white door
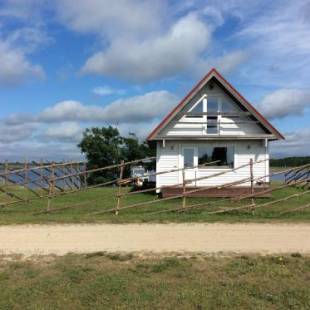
column 189, row 161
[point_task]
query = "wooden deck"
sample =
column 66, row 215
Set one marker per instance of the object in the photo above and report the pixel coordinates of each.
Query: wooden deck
column 213, row 192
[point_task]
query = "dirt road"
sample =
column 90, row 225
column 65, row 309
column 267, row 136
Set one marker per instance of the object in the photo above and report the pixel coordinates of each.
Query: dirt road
column 157, row 238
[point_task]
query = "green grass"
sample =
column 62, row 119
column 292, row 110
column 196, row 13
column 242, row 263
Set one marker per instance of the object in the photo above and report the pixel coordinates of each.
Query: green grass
column 25, row 213
column 100, row 281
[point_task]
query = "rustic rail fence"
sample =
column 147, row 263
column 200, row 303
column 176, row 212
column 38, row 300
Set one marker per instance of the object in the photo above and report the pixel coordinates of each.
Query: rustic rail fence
column 51, row 180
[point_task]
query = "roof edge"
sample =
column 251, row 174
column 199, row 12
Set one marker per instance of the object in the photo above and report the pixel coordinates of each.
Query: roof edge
column 150, row 136
column 232, row 90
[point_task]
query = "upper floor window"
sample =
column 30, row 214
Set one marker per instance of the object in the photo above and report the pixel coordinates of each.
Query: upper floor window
column 209, row 110
column 197, row 111
column 212, row 105
column 212, row 115
column 226, row 107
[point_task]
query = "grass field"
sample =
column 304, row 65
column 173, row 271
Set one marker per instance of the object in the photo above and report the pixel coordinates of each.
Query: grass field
column 115, row 281
column 105, row 199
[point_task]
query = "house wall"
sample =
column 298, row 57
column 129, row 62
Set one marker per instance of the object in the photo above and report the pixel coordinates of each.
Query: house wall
column 183, row 126
column 170, row 157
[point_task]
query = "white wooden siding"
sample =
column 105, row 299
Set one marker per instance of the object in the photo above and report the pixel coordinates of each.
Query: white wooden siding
column 228, row 126
column 170, row 157
column 167, row 159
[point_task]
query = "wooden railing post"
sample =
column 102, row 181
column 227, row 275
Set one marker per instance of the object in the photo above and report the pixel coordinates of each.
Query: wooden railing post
column 85, row 174
column 51, row 184
column 6, row 172
column 72, row 172
column 41, row 173
column 184, row 189
column 121, row 173
column 252, row 184
column 26, row 173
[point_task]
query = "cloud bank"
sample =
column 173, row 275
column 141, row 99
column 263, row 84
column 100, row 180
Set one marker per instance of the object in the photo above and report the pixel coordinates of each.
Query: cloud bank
column 285, row 102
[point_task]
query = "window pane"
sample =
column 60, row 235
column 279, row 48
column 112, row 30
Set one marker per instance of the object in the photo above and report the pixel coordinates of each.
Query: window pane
column 204, row 154
column 197, row 109
column 212, row 126
column 224, row 155
column 212, row 105
column 230, row 156
column 227, row 107
column 220, row 154
column 188, row 158
column 211, row 129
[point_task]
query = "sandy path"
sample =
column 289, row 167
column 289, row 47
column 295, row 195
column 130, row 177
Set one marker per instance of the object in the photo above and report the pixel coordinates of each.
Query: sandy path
column 208, row 238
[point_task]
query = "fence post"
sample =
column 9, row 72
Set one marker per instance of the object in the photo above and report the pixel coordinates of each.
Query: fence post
column 26, row 173
column 184, row 189
column 71, row 171
column 51, row 184
column 119, row 187
column 252, row 185
column 85, row 175
column 41, row 172
column 6, row 171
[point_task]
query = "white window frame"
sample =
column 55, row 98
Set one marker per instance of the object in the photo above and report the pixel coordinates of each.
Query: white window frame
column 203, row 117
column 224, row 167
column 219, row 105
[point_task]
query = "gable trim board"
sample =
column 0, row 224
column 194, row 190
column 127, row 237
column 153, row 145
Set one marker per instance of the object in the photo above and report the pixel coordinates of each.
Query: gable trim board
column 213, row 73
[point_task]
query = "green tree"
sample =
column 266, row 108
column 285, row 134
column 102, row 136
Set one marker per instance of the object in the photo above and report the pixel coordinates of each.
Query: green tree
column 104, row 147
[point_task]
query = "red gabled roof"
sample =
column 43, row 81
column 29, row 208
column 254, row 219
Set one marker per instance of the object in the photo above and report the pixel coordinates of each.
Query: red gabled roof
column 214, row 73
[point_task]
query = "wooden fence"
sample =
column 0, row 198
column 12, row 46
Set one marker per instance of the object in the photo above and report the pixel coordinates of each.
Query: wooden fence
column 50, row 180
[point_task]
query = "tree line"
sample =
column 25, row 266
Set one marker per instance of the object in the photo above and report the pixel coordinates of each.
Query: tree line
column 290, row 161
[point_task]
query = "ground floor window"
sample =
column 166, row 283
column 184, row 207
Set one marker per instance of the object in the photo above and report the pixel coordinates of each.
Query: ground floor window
column 189, row 154
column 223, row 154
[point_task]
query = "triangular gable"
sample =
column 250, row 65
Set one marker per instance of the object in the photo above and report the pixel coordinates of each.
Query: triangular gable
column 213, row 73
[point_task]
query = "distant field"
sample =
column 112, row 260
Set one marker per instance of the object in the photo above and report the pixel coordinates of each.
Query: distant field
column 105, row 199
column 118, row 281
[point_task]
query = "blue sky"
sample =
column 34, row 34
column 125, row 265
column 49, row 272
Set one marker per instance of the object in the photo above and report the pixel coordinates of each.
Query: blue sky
column 72, row 64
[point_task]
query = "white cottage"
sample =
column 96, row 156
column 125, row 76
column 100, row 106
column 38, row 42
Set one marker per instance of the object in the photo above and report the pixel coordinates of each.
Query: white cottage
column 213, row 123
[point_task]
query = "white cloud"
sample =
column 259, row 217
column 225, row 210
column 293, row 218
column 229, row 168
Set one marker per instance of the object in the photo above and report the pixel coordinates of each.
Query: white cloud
column 16, row 132
column 141, row 129
column 26, row 135
column 227, row 63
column 29, row 39
column 285, row 102
column 224, row 64
column 67, row 131
column 296, row 143
column 283, row 28
column 278, row 42
column 214, row 14
column 142, row 108
column 22, row 33
column 129, row 110
column 109, row 18
column 36, row 150
column 166, row 55
column 21, row 9
column 15, row 67
column 106, row 91
column 150, row 40
column 54, row 132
